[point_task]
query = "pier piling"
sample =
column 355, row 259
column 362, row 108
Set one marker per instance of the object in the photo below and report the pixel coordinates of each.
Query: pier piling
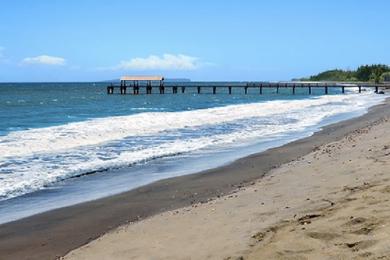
column 149, row 89
column 110, row 90
column 123, row 90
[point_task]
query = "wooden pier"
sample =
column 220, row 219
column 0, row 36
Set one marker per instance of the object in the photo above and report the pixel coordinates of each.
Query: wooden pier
column 136, row 85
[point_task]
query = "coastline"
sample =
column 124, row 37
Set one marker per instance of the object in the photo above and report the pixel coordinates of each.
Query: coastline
column 57, row 232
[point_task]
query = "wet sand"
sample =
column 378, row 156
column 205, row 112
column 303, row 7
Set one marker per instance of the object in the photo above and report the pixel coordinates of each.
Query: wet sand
column 55, row 233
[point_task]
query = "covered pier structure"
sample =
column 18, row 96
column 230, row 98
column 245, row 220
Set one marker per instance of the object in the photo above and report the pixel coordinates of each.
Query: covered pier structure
column 148, row 84
column 137, row 82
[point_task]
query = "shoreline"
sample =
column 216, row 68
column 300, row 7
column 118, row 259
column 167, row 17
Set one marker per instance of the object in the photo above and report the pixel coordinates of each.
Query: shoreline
column 58, row 231
column 46, row 200
column 329, row 204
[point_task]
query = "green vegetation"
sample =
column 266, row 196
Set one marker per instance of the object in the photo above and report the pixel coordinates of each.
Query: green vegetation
column 367, row 73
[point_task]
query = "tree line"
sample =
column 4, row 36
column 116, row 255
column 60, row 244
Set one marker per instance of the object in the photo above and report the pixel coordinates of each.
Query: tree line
column 368, row 73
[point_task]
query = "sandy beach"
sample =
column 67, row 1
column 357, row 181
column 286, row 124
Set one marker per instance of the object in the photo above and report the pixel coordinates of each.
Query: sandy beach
column 329, row 204
column 321, row 196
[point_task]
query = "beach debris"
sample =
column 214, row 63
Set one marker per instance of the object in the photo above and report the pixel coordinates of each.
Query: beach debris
column 307, row 218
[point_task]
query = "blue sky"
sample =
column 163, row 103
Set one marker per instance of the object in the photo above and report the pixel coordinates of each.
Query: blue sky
column 85, row 40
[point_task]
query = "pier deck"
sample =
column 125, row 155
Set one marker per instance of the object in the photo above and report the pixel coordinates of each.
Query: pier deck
column 235, row 88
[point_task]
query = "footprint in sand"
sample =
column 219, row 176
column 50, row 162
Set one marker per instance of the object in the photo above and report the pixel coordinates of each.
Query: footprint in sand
column 323, row 235
column 363, row 226
column 360, row 245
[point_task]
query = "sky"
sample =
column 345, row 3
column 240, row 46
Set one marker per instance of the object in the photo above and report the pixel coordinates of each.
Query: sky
column 94, row 40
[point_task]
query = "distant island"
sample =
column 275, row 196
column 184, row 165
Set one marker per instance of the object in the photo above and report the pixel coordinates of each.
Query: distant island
column 176, row 80
column 166, row 80
column 367, row 73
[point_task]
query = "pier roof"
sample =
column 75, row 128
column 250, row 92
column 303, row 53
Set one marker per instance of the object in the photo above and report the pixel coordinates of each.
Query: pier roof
column 142, row 78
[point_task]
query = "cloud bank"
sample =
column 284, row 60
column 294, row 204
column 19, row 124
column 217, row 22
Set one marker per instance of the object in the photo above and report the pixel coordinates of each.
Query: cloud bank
column 45, row 60
column 164, row 62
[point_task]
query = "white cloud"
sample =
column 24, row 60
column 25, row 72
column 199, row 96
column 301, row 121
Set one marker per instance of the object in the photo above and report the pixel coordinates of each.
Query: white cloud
column 44, row 59
column 164, row 62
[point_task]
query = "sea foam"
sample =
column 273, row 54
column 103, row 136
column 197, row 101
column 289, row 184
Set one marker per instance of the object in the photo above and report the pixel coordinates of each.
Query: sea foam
column 32, row 159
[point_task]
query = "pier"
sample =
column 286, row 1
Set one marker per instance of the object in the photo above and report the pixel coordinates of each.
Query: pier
column 136, row 85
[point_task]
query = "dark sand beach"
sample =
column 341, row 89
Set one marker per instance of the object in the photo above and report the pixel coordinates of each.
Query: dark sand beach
column 55, row 233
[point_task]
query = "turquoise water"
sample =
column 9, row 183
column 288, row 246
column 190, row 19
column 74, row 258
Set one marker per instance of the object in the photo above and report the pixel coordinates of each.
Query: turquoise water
column 53, row 132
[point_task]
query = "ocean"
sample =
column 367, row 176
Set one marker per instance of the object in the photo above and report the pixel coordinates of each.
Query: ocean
column 65, row 143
